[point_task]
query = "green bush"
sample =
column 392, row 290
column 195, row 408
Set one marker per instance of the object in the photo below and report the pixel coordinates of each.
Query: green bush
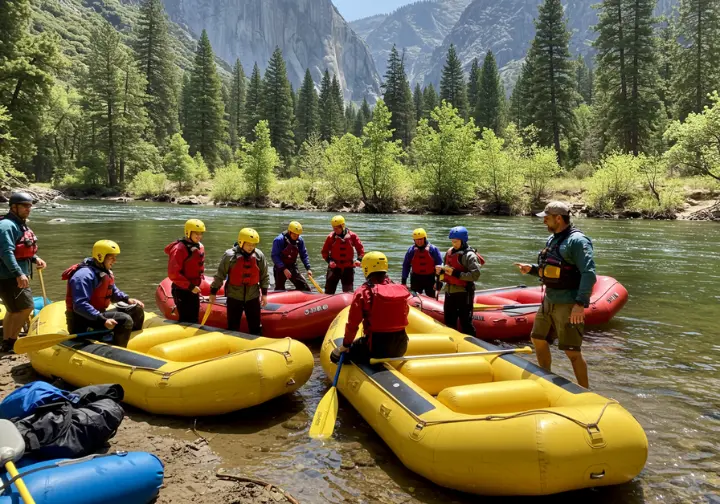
column 147, row 184
column 228, row 185
column 294, row 191
column 615, row 183
column 582, row 171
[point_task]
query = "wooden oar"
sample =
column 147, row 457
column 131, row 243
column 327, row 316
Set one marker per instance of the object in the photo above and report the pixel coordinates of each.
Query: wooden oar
column 38, row 342
column 42, row 286
column 315, row 284
column 323, row 423
column 523, row 350
column 481, row 307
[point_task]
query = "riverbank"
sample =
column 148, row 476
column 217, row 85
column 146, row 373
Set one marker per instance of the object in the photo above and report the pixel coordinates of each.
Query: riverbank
column 699, row 203
column 193, row 472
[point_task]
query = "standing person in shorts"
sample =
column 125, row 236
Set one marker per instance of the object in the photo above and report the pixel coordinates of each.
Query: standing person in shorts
column 567, row 270
column 18, row 252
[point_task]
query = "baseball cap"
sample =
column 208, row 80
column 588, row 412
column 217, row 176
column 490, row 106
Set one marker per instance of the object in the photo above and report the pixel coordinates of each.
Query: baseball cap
column 555, row 208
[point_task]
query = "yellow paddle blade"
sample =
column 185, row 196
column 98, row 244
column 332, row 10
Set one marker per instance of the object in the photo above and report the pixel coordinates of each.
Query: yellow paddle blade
column 207, row 313
column 323, row 423
column 315, row 284
column 479, row 307
column 28, row 344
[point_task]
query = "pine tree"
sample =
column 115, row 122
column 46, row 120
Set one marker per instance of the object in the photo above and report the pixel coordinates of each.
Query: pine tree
column 363, row 117
column 133, row 114
column 418, row 101
column 698, row 65
column 307, row 122
column 278, row 105
column 28, row 64
column 157, row 63
column 338, row 103
column 104, row 90
column 520, row 110
column 452, row 83
column 583, row 79
column 474, row 85
column 398, row 99
column 206, row 129
column 627, row 74
column 350, row 116
column 236, row 104
column 430, row 102
column 185, row 102
column 553, row 81
column 669, row 51
column 490, row 98
column 253, row 103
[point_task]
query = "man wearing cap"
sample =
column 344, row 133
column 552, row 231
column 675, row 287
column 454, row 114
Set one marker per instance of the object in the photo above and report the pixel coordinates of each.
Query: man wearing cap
column 567, row 270
column 18, row 252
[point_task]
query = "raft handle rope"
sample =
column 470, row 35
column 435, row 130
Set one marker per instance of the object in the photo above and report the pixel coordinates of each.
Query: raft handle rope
column 6, row 485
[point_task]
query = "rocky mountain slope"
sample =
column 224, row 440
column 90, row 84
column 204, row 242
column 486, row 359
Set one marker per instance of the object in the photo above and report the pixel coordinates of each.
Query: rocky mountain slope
column 311, row 33
column 364, row 27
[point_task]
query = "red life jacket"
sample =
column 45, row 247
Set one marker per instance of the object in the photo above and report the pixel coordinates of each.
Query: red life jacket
column 290, row 253
column 194, row 264
column 388, row 308
column 245, row 271
column 25, row 246
column 452, row 259
column 341, row 251
column 422, row 262
column 102, row 295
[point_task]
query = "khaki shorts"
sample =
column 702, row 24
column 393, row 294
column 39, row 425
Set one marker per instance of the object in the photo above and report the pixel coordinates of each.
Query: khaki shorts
column 553, row 321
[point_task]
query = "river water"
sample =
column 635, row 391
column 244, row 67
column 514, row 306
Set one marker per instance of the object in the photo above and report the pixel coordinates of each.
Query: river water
column 659, row 357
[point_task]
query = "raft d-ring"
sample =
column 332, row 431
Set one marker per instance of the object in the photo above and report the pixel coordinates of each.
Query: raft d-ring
column 595, row 436
column 597, row 476
column 288, row 357
column 166, row 377
column 290, row 382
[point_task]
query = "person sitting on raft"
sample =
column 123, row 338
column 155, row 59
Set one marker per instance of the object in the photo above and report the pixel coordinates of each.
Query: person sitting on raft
column 246, row 288
column 286, row 249
column 381, row 306
column 421, row 258
column 186, row 265
column 90, row 290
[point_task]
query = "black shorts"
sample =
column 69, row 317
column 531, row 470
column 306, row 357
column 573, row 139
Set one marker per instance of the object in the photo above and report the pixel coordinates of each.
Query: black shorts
column 14, row 298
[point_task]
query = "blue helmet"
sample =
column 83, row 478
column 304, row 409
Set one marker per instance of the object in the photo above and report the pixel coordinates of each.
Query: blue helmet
column 459, row 233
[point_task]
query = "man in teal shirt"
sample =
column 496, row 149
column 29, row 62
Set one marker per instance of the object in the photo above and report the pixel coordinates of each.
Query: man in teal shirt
column 18, row 251
column 567, row 270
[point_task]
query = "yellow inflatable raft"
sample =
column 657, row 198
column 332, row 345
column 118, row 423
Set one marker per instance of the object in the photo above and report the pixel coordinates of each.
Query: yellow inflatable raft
column 177, row 369
column 491, row 425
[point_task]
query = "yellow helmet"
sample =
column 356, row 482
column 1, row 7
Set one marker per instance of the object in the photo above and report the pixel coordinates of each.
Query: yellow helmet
column 248, row 235
column 338, row 220
column 103, row 248
column 373, row 262
column 419, row 233
column 295, row 227
column 194, row 225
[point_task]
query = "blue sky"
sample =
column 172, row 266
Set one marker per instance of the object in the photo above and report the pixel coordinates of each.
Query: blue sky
column 356, row 9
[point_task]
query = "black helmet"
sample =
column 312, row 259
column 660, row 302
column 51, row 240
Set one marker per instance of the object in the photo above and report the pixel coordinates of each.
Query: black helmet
column 19, row 198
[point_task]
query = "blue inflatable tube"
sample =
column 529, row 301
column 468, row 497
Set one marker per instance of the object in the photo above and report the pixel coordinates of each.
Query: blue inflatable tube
column 39, row 304
column 118, row 478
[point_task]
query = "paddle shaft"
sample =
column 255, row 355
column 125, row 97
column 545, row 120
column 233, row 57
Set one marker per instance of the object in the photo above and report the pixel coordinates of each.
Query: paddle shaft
column 207, row 313
column 524, row 350
column 19, row 483
column 315, row 284
column 42, row 286
column 323, row 422
column 38, row 342
column 480, row 307
column 337, row 371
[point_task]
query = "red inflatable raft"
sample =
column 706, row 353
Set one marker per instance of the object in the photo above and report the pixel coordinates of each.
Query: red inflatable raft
column 295, row 314
column 515, row 320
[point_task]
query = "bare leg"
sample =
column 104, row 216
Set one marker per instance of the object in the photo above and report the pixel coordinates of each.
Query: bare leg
column 579, row 366
column 13, row 323
column 542, row 350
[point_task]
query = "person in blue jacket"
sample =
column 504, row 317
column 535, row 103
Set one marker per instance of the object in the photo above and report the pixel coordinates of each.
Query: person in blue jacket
column 285, row 251
column 90, row 291
column 421, row 258
column 18, row 252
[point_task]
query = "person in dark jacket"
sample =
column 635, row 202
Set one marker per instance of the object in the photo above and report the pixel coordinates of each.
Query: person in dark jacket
column 244, row 271
column 421, row 258
column 338, row 253
column 186, row 265
column 381, row 306
column 461, row 271
column 286, row 249
column 18, row 252
column 566, row 268
column 90, row 291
